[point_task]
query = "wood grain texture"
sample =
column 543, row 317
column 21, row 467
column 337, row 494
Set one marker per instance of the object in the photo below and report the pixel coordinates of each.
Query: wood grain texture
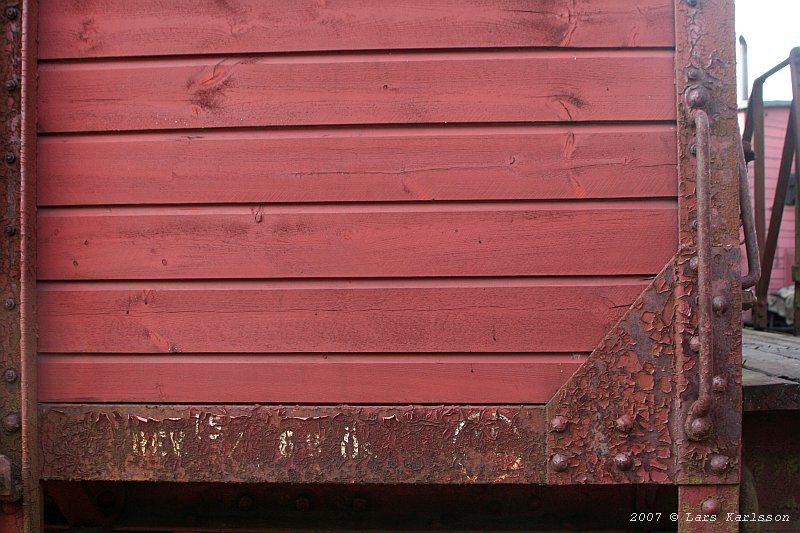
column 346, row 165
column 385, row 240
column 539, row 315
column 75, row 29
column 321, row 379
column 510, row 86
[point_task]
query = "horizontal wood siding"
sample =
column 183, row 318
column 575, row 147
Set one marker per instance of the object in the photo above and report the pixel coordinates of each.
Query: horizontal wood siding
column 408, row 88
column 552, row 315
column 324, row 379
column 361, row 164
column 349, row 201
column 409, row 240
column 78, row 29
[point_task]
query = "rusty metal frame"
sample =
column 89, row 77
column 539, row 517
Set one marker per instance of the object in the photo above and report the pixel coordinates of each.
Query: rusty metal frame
column 19, row 486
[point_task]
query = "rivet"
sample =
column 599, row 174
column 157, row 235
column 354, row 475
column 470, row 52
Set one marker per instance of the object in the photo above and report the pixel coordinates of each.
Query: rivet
column 694, row 343
column 12, row 85
column 559, row 462
column 711, row 506
column 696, row 97
column 693, row 149
column 302, row 503
column 559, row 424
column 11, row 158
column 10, row 230
column 694, row 262
column 719, row 304
column 693, row 73
column 691, row 3
column 12, row 422
column 718, row 463
column 245, row 503
column 693, row 225
column 10, row 375
column 360, row 504
column 624, row 423
column 700, row 429
column 719, row 384
column 12, row 13
column 623, row 462
column 10, row 304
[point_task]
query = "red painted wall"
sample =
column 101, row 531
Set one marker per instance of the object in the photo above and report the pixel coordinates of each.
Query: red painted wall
column 353, row 201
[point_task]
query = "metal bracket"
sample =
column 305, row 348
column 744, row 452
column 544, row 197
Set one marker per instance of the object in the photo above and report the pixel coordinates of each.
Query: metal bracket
column 10, row 488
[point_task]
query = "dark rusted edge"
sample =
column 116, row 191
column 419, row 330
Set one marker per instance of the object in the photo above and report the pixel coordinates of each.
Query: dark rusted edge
column 283, row 444
column 31, row 460
column 610, row 423
column 18, row 204
column 705, row 74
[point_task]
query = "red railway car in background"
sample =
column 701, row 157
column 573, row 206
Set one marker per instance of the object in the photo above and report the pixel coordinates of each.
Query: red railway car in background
column 299, row 265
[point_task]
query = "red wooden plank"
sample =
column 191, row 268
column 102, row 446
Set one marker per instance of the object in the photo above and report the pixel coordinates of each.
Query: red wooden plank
column 374, row 164
column 458, row 315
column 357, row 89
column 319, row 379
column 70, row 28
column 384, row 240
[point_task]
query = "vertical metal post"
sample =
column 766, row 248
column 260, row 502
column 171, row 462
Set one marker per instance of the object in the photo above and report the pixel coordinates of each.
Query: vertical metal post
column 794, row 65
column 759, row 194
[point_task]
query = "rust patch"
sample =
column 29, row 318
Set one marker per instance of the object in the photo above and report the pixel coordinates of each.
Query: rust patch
column 612, row 405
column 294, row 444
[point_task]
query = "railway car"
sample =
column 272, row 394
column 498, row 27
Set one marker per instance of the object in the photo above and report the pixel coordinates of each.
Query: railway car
column 367, row 265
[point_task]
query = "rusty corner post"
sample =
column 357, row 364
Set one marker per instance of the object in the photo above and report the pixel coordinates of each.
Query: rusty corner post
column 19, row 471
column 706, row 416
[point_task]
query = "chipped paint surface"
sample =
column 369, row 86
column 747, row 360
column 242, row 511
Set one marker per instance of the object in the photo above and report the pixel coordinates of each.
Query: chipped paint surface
column 618, row 380
column 294, row 444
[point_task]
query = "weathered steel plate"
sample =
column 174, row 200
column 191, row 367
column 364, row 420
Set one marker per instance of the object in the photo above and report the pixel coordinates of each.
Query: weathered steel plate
column 240, row 444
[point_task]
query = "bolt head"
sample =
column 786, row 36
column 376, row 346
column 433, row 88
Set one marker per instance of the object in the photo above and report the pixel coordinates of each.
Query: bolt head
column 694, row 262
column 360, row 504
column 719, row 384
column 11, row 158
column 696, row 97
column 718, row 463
column 10, row 230
column 693, row 74
column 691, row 3
column 12, row 13
column 245, row 503
column 12, row 422
column 719, row 304
column 623, row 462
column 694, row 343
column 559, row 463
column 10, row 375
column 10, row 304
column 12, row 85
column 699, row 428
column 624, row 423
column 302, row 503
column 711, row 506
column 559, row 424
